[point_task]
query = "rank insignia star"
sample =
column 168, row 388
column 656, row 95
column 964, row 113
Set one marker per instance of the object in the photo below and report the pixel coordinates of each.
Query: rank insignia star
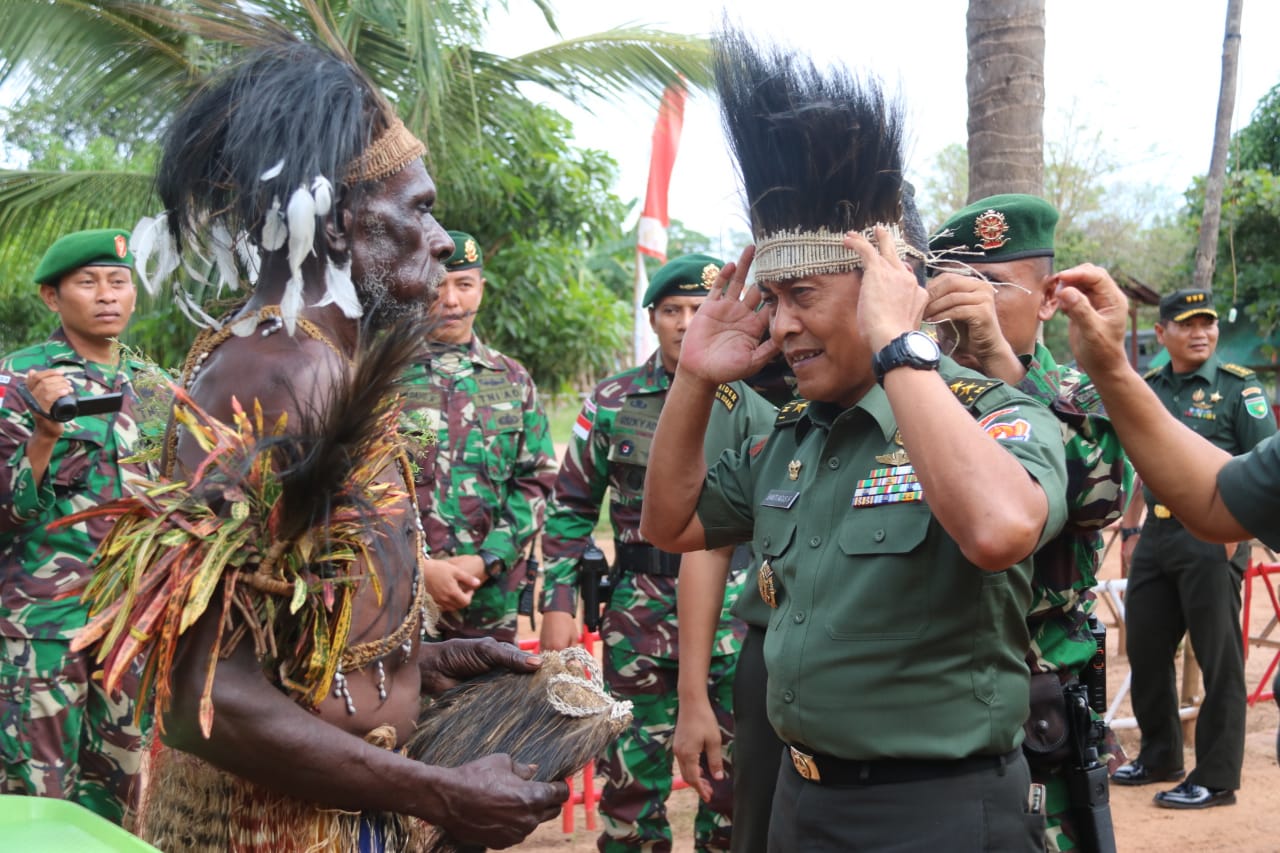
column 1215, row 397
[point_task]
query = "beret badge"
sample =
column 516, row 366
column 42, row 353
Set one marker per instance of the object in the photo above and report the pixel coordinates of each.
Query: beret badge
column 992, row 229
column 470, row 252
column 709, row 273
column 121, row 245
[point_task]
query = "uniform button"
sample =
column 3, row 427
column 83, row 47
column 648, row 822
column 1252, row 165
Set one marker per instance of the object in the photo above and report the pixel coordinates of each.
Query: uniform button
column 833, row 463
column 815, row 541
column 765, row 542
column 799, row 617
column 788, row 696
column 879, row 536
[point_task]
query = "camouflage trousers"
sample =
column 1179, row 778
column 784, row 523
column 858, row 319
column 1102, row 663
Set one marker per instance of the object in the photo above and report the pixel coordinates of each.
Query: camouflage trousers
column 637, row 767
column 61, row 734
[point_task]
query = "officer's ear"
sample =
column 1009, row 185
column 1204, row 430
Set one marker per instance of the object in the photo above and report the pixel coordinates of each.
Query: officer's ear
column 49, row 296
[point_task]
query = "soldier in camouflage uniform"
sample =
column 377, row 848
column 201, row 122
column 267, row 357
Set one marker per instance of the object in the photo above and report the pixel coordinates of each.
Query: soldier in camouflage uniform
column 487, row 467
column 61, row 734
column 610, row 450
column 996, row 290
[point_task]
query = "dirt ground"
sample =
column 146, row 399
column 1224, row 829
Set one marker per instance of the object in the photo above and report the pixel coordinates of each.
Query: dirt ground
column 1252, row 825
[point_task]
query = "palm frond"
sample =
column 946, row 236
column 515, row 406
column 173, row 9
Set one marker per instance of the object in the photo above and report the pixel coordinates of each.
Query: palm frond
column 39, row 207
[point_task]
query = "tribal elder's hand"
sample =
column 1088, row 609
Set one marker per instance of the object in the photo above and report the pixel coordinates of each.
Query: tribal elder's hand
column 726, row 338
column 1099, row 314
column 492, row 803
column 890, row 299
column 964, row 306
column 447, row 664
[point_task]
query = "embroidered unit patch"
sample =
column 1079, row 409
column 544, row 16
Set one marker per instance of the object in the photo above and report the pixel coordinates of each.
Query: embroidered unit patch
column 1016, row 429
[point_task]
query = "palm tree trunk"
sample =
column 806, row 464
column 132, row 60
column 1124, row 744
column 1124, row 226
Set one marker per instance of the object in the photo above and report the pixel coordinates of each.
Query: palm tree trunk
column 1006, row 97
column 1207, row 250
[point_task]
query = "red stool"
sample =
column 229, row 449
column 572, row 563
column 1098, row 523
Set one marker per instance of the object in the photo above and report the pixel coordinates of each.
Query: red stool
column 1262, row 572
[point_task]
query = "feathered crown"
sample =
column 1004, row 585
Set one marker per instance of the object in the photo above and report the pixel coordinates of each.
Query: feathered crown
column 250, row 163
column 819, row 154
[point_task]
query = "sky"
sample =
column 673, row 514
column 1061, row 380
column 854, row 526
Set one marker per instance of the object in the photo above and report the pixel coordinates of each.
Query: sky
column 1144, row 74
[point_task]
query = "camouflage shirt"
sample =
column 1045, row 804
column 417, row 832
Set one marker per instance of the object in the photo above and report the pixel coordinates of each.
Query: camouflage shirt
column 484, row 480
column 1098, row 478
column 609, row 450
column 39, row 567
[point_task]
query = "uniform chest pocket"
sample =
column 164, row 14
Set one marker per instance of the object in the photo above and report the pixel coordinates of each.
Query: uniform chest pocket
column 501, row 429
column 883, row 584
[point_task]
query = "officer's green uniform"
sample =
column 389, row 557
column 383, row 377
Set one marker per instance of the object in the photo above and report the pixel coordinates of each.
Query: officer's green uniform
column 891, row 658
column 609, row 451
column 1179, row 584
column 61, row 734
column 1250, row 486
column 487, row 466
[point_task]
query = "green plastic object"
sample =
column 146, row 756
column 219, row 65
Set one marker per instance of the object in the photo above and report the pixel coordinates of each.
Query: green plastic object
column 60, row 826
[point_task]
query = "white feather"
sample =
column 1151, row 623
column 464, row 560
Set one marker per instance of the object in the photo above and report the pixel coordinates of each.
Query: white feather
column 244, row 327
column 302, row 228
column 291, row 305
column 220, row 239
column 249, row 257
column 274, row 229
column 193, row 311
column 323, row 192
column 340, row 290
column 273, row 171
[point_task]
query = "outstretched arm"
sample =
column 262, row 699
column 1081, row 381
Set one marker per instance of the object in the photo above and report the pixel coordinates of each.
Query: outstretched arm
column 1098, row 313
column 722, row 344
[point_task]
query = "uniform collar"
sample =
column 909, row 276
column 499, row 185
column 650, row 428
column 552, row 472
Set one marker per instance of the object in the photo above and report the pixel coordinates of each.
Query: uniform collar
column 474, row 351
column 1207, row 371
column 824, row 415
column 653, row 377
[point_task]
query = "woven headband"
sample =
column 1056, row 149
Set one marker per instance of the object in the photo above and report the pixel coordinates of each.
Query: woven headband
column 396, row 148
column 788, row 255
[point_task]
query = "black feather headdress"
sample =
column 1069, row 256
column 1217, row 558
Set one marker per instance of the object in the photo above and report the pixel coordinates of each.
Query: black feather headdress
column 819, row 153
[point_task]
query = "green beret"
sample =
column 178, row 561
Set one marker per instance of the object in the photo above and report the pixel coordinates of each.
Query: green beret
column 466, row 253
column 687, row 275
column 996, row 229
column 1181, row 304
column 101, row 247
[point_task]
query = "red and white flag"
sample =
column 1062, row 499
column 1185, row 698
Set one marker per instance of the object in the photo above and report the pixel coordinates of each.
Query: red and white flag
column 651, row 233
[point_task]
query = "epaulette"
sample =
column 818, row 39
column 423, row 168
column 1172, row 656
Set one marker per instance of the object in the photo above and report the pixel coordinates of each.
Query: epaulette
column 791, row 412
column 727, row 395
column 968, row 391
column 1152, row 373
column 1237, row 370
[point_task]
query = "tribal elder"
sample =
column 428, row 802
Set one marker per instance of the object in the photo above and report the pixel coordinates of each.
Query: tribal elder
column 291, row 170
column 899, row 587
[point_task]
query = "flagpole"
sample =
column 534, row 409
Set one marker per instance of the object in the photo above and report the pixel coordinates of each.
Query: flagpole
column 651, row 230
column 643, row 341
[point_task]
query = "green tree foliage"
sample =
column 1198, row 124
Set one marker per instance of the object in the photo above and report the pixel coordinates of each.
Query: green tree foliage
column 102, row 76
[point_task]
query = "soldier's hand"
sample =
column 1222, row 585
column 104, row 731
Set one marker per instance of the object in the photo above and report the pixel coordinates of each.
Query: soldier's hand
column 1099, row 314
column 450, row 585
column 447, row 664
column 1127, row 547
column 46, row 386
column 890, row 299
column 559, row 631
column 698, row 734
column 494, row 804
column 726, row 338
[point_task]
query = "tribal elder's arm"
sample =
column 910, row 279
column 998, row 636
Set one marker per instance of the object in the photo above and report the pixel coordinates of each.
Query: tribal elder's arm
column 262, row 735
column 722, row 344
column 985, row 496
column 1098, row 313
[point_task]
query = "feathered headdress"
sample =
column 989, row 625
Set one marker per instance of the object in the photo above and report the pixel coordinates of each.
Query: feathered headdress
column 253, row 163
column 819, row 154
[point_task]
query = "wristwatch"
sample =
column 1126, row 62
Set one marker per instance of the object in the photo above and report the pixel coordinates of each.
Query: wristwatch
column 910, row 349
column 493, row 564
column 1126, row 532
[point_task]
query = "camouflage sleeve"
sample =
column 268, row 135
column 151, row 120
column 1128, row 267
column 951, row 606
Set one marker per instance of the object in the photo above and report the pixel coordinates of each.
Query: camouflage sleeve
column 1099, row 475
column 575, row 506
column 22, row 501
column 532, row 479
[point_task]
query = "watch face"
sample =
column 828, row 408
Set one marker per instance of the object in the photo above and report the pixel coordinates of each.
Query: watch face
column 922, row 346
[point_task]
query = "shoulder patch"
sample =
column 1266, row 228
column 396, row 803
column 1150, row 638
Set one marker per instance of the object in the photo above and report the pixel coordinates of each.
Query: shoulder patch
column 1152, row 373
column 1238, row 370
column 968, row 391
column 726, row 395
column 791, row 412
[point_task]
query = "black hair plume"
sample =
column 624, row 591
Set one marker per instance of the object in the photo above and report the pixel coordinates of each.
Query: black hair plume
column 814, row 149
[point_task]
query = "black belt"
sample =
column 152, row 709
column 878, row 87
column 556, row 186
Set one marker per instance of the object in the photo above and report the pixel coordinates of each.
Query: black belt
column 829, row 770
column 645, row 559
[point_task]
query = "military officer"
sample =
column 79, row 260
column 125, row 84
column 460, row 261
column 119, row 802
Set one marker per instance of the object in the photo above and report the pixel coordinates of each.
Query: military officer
column 486, row 465
column 610, row 450
column 61, row 734
column 1180, row 584
column 899, row 588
